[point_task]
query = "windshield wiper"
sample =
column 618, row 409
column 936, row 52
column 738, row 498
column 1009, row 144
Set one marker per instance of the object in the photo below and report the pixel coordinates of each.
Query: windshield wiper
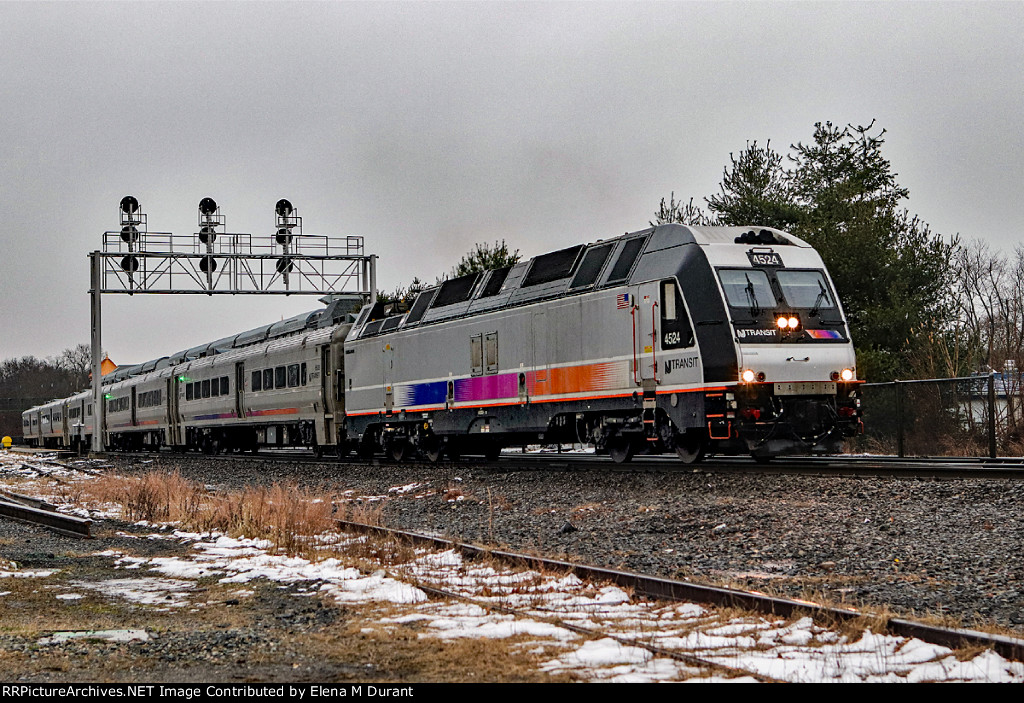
column 755, row 308
column 822, row 297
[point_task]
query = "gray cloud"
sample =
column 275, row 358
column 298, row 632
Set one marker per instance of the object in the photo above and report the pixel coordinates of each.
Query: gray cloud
column 426, row 127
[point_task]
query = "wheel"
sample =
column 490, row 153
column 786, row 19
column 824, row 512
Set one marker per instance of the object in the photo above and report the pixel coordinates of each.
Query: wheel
column 492, row 451
column 620, row 450
column 318, row 451
column 761, row 458
column 453, row 451
column 690, row 448
column 398, row 450
column 433, row 450
column 342, row 449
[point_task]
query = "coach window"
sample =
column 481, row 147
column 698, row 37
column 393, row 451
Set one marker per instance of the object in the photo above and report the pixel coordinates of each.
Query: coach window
column 206, row 388
column 268, row 379
column 224, row 388
column 257, row 380
column 280, row 377
column 676, row 331
column 293, row 375
column 302, row 375
column 189, row 392
column 215, row 387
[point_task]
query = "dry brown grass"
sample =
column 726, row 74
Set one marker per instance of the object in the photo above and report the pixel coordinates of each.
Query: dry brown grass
column 367, row 513
column 287, row 515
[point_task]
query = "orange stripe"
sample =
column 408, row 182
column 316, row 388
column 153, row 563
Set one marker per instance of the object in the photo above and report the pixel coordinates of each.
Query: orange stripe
column 539, row 400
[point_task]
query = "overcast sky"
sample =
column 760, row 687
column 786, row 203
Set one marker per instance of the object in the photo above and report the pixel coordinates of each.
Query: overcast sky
column 427, row 127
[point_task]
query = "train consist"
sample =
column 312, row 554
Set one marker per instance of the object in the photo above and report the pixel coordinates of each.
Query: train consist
column 693, row 340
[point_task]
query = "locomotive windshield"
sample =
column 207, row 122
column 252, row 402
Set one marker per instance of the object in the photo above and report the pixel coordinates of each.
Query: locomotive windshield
column 747, row 288
column 806, row 289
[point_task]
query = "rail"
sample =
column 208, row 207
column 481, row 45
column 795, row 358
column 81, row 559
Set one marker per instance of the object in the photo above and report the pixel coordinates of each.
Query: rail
column 670, row 589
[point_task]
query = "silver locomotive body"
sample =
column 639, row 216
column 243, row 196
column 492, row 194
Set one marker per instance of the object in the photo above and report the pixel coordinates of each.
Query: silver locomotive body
column 637, row 343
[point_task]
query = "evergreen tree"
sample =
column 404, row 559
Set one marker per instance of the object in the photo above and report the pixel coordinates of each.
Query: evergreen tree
column 676, row 212
column 755, row 190
column 484, row 257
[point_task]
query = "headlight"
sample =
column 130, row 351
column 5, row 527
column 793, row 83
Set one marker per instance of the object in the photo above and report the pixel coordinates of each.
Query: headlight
column 793, row 323
column 847, row 374
column 748, row 376
column 782, row 322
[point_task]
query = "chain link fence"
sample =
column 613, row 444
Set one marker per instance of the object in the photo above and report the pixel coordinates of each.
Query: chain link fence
column 972, row 416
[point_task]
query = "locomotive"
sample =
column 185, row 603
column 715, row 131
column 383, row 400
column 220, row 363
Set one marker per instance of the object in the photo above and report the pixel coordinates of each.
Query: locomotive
column 684, row 339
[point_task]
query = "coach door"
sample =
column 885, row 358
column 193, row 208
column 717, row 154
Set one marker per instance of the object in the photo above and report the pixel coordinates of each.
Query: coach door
column 239, row 389
column 173, row 424
column 327, row 394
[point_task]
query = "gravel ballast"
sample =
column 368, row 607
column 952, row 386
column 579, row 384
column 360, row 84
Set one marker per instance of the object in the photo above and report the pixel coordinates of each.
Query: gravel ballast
column 916, row 546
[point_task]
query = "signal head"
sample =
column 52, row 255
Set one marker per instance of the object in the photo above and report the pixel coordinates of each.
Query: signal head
column 283, row 208
column 129, row 205
column 130, row 264
column 207, row 206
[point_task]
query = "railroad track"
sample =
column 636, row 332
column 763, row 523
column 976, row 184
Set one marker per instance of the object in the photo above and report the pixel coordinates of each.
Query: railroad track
column 689, row 659
column 685, row 591
column 842, row 465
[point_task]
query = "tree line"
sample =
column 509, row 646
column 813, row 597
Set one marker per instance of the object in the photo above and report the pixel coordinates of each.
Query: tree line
column 29, row 381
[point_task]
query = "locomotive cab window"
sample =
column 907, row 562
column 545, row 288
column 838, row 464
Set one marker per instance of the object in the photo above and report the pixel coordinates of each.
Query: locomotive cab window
column 747, row 288
column 806, row 289
column 676, row 331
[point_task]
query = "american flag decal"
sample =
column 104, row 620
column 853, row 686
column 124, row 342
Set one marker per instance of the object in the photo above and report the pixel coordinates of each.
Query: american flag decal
column 622, row 301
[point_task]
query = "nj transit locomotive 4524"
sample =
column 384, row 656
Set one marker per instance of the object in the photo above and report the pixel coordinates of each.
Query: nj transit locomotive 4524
column 692, row 340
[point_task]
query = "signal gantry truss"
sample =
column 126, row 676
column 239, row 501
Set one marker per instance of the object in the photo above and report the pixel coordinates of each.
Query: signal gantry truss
column 212, row 262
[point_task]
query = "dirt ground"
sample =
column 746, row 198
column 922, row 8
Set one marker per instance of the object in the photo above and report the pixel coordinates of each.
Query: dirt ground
column 261, row 632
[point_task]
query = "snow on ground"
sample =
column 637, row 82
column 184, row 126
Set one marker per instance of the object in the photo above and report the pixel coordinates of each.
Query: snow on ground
column 550, row 610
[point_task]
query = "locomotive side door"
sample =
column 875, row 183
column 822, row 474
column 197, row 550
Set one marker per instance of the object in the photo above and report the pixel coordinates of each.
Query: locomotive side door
column 646, row 333
column 541, row 356
column 388, row 363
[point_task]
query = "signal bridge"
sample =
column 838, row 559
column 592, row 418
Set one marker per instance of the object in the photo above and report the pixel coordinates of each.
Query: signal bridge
column 212, row 261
